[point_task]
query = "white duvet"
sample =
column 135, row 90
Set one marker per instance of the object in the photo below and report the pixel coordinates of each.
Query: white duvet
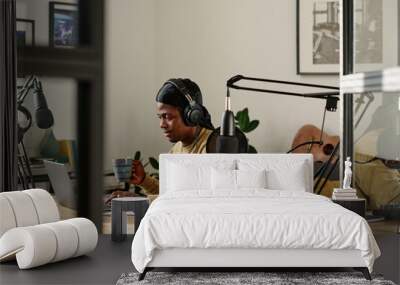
column 251, row 218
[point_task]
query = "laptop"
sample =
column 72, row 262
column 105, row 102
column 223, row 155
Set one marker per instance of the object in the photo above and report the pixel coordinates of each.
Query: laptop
column 64, row 188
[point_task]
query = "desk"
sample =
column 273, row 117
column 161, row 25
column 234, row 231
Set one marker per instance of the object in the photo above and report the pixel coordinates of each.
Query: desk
column 40, row 177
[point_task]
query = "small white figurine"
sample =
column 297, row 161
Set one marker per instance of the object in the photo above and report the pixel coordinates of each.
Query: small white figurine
column 347, row 174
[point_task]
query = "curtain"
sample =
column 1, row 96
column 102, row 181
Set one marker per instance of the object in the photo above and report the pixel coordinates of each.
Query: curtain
column 8, row 104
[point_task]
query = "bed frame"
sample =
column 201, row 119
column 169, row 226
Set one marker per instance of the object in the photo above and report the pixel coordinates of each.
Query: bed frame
column 242, row 259
column 245, row 259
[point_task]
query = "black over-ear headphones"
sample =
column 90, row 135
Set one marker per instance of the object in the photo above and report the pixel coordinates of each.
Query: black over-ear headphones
column 194, row 113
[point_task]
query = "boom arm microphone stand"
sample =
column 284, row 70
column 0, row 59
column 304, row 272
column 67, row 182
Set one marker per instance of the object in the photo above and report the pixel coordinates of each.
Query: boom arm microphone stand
column 331, row 97
column 24, row 168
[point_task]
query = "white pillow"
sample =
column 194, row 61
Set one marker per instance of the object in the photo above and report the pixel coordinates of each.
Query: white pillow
column 185, row 177
column 236, row 179
column 251, row 178
column 223, row 179
column 282, row 174
column 189, row 174
column 293, row 179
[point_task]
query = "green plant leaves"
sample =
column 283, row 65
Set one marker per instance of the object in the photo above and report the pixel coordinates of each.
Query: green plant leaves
column 154, row 163
column 246, row 125
column 251, row 126
column 252, row 149
column 242, row 118
column 243, row 121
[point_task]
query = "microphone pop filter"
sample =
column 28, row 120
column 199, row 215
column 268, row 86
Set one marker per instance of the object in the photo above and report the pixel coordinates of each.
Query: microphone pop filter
column 227, row 144
column 44, row 118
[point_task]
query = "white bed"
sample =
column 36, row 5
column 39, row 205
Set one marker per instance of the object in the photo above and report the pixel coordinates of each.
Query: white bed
column 201, row 219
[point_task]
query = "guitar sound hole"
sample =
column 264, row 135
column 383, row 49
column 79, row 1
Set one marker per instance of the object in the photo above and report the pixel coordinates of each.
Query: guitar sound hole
column 328, row 149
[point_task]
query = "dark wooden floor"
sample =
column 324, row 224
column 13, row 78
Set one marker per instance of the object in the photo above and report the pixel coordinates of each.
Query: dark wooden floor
column 111, row 259
column 389, row 263
column 103, row 266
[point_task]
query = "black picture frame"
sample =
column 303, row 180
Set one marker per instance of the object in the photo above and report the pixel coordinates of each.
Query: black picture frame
column 25, row 32
column 63, row 25
column 309, row 37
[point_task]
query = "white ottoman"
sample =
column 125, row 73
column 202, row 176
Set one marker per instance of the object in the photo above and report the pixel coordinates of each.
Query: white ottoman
column 31, row 232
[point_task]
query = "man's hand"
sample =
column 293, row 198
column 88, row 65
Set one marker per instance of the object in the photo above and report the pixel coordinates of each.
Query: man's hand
column 118, row 194
column 138, row 173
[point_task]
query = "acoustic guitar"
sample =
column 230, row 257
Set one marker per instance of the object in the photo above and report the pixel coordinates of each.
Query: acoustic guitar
column 321, row 152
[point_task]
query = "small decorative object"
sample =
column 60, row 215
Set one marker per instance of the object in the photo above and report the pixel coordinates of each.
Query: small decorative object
column 25, row 32
column 347, row 174
column 345, row 193
column 63, row 30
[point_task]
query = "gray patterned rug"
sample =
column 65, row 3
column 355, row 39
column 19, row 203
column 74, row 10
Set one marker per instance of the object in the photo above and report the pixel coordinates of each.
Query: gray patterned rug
column 232, row 278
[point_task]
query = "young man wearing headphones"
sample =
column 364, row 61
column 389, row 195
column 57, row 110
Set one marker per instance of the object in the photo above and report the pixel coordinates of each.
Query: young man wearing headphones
column 184, row 121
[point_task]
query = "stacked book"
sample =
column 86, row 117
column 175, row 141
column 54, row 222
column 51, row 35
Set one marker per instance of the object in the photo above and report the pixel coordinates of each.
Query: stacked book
column 344, row 194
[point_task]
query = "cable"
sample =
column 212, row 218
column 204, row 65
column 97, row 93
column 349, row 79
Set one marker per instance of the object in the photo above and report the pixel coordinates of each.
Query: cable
column 323, row 169
column 312, row 142
column 329, row 174
column 322, row 126
column 367, row 161
column 305, row 143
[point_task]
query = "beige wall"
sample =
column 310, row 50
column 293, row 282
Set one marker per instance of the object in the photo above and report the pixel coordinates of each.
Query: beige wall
column 130, row 71
column 149, row 41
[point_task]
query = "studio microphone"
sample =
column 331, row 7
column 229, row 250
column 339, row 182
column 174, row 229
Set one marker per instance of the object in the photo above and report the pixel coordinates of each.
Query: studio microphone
column 44, row 117
column 227, row 141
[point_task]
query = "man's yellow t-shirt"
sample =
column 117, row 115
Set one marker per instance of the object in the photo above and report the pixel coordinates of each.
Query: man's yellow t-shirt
column 151, row 185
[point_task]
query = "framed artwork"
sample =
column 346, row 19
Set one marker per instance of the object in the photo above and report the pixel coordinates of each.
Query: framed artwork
column 63, row 29
column 25, row 32
column 375, row 34
column 318, row 37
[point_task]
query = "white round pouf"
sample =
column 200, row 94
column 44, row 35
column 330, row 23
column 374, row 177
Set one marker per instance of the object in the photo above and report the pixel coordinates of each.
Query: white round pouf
column 33, row 246
column 45, row 205
column 6, row 215
column 67, row 240
column 23, row 208
column 87, row 235
column 31, row 233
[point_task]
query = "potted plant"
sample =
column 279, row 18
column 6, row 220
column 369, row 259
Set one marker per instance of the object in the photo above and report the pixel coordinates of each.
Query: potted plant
column 243, row 122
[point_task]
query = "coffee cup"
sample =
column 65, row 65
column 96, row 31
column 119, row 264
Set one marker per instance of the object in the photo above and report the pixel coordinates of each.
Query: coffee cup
column 122, row 168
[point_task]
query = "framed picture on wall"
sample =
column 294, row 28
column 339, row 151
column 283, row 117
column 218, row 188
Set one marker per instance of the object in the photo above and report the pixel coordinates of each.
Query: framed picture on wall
column 375, row 34
column 318, row 37
column 25, row 32
column 63, row 21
